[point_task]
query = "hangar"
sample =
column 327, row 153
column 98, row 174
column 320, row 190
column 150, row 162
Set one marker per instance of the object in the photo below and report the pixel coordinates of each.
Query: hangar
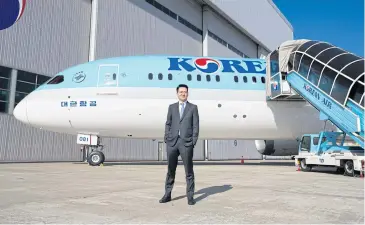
column 53, row 36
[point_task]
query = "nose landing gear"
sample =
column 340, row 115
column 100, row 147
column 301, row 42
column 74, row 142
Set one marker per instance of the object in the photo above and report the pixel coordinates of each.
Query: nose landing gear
column 94, row 156
column 92, row 149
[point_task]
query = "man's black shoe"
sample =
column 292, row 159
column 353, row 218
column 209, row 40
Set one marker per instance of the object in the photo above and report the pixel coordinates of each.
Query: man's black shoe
column 191, row 201
column 165, row 199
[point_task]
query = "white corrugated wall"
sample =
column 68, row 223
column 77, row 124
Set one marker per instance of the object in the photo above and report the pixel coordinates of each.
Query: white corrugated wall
column 49, row 37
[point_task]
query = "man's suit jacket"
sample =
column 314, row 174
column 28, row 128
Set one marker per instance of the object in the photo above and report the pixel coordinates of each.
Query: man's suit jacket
column 188, row 125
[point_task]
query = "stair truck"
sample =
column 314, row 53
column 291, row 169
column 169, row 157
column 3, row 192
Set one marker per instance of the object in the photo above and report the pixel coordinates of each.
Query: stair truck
column 332, row 81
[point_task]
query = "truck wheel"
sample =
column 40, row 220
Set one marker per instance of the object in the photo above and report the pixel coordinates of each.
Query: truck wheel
column 304, row 167
column 349, row 168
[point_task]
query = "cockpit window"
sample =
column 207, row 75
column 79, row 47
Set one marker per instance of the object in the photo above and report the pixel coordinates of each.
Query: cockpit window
column 56, row 80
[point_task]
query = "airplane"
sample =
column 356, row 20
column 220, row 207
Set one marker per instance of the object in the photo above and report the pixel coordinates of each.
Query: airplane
column 128, row 97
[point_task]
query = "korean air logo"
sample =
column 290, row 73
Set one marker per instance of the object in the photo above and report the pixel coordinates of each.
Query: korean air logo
column 207, row 65
column 10, row 12
column 79, row 77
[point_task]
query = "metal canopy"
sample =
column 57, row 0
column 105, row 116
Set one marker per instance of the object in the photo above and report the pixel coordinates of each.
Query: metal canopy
column 335, row 71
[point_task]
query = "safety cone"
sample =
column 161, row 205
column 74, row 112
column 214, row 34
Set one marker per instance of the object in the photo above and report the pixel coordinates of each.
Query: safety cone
column 298, row 165
column 242, row 160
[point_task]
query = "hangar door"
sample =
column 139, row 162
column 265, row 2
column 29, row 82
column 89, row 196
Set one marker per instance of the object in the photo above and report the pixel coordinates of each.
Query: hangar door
column 232, row 150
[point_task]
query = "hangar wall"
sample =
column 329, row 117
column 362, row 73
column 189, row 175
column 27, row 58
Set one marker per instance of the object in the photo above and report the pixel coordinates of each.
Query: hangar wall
column 226, row 41
column 22, row 143
column 126, row 27
column 48, row 38
column 262, row 20
column 147, row 27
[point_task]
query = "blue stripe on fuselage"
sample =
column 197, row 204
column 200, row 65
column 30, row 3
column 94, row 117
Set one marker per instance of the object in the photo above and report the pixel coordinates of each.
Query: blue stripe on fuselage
column 134, row 71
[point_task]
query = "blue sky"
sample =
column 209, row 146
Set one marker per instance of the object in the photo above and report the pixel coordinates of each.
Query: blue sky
column 339, row 22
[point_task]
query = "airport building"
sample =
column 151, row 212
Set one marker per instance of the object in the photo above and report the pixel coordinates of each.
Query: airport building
column 54, row 35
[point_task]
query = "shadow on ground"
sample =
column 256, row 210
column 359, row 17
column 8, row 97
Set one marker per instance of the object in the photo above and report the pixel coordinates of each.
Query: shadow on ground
column 202, row 163
column 205, row 192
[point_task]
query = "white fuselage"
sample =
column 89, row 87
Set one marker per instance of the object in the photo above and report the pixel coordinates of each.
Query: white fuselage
column 141, row 113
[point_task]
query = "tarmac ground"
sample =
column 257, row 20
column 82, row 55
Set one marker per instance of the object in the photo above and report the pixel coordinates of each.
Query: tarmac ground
column 226, row 192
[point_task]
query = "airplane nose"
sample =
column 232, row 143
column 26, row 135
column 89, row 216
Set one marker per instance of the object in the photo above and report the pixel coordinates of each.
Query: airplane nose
column 20, row 111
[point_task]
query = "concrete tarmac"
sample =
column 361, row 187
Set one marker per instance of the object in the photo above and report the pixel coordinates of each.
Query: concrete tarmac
column 226, row 192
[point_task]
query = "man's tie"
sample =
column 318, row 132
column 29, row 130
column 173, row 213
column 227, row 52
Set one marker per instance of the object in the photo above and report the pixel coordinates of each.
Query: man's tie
column 182, row 110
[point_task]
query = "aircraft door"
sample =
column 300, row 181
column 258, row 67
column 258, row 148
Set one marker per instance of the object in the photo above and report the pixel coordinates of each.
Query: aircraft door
column 108, row 75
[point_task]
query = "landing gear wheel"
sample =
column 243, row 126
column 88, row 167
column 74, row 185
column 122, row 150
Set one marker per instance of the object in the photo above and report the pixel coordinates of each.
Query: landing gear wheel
column 95, row 158
column 349, row 168
column 304, row 167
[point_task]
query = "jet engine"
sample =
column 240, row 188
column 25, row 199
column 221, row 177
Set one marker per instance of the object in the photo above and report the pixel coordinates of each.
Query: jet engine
column 277, row 147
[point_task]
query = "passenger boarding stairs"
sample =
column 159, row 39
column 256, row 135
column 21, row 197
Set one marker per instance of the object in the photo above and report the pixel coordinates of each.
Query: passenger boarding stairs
column 329, row 78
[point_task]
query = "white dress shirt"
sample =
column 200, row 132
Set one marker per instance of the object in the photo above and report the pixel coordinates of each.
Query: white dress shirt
column 180, row 106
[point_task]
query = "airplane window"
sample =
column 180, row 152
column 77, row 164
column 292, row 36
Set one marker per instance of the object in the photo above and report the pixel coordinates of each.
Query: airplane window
column 263, row 80
column 56, row 80
column 114, row 76
column 169, row 76
column 217, row 78
column 235, row 79
column 198, row 77
column 208, row 77
column 189, row 77
column 254, row 79
column 150, row 76
column 160, row 76
column 245, row 79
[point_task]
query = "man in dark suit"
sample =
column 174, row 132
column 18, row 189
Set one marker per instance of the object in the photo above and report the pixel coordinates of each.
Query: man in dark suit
column 181, row 136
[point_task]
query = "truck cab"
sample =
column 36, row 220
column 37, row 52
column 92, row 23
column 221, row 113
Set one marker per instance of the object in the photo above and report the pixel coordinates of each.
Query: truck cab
column 331, row 149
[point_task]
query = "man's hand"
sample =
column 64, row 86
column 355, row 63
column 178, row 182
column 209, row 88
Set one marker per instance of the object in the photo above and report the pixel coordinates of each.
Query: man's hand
column 168, row 123
column 195, row 125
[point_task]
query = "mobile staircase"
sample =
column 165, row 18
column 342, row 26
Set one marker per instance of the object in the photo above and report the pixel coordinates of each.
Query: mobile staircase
column 332, row 81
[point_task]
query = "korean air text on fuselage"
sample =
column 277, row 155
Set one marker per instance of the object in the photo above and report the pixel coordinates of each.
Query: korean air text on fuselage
column 210, row 65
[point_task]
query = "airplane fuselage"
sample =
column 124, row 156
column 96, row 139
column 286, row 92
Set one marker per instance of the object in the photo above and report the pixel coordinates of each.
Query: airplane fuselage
column 141, row 113
column 125, row 97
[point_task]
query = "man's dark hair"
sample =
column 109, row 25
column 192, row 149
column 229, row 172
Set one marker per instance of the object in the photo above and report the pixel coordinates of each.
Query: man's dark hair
column 182, row 85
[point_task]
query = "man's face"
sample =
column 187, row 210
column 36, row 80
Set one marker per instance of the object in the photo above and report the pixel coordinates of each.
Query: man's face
column 182, row 94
